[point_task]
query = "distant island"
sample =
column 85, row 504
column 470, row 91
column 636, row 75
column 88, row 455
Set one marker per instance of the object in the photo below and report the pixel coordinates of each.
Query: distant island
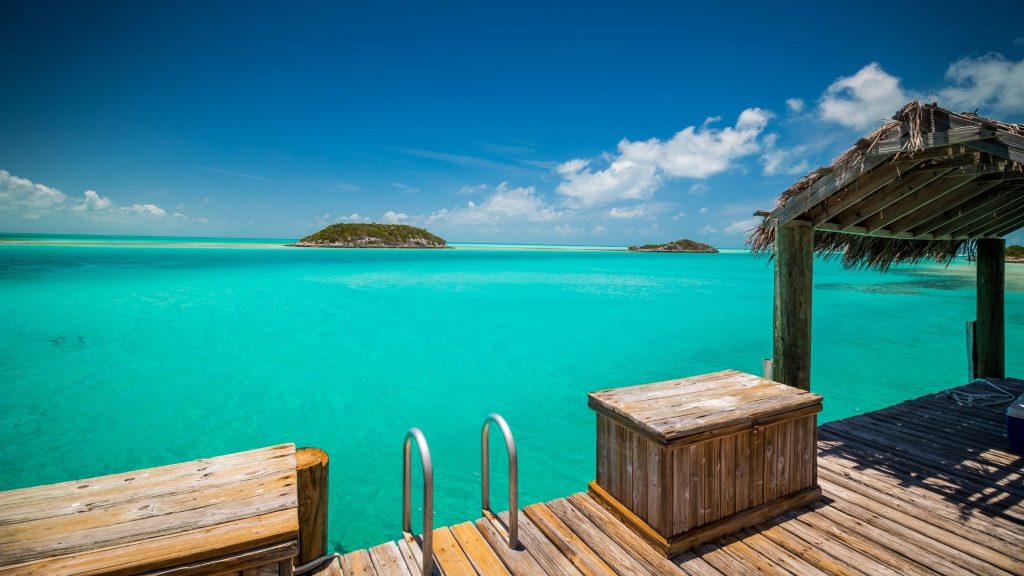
column 372, row 236
column 683, row 245
column 1015, row 254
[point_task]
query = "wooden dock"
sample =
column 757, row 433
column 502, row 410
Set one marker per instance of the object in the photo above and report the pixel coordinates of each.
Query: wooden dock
column 923, row 487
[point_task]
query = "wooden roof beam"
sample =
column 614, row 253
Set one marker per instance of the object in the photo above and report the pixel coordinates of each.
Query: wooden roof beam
column 886, row 196
column 977, row 210
column 929, row 201
column 857, row 191
column 928, row 218
column 987, row 228
column 914, row 201
column 835, row 180
column 1013, row 226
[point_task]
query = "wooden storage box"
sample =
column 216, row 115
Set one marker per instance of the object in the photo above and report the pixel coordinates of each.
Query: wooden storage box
column 688, row 461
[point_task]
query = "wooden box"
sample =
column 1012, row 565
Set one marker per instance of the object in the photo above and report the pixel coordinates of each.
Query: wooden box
column 234, row 515
column 688, row 461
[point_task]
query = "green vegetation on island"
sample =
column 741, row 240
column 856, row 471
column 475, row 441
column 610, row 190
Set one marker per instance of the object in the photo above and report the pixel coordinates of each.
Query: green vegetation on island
column 1015, row 253
column 683, row 245
column 372, row 236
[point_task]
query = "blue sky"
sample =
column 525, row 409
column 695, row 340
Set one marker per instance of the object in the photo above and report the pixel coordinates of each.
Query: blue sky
column 591, row 123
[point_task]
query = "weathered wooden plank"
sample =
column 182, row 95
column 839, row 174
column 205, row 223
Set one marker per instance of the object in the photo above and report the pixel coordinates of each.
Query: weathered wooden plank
column 542, row 549
column 479, row 552
column 449, row 554
column 568, row 543
column 604, row 547
column 637, row 547
column 167, row 551
column 388, row 561
column 519, row 561
column 248, row 561
column 960, row 549
column 357, row 563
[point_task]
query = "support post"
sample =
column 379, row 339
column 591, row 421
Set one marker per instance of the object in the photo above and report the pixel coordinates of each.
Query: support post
column 311, row 466
column 794, row 260
column 991, row 330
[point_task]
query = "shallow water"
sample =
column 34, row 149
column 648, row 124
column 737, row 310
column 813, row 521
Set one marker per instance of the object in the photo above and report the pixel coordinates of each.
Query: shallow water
column 117, row 356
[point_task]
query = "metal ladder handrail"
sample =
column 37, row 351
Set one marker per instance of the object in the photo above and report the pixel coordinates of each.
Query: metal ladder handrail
column 513, row 475
column 428, row 495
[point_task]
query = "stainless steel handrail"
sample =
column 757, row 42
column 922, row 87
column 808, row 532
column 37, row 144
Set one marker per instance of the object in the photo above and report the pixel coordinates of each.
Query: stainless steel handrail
column 428, row 495
column 513, row 475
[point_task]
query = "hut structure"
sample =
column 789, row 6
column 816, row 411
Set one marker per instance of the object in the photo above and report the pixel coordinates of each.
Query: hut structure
column 932, row 184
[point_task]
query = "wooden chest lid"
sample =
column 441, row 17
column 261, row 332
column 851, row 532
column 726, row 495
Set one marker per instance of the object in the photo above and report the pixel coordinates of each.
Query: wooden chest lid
column 720, row 402
column 152, row 519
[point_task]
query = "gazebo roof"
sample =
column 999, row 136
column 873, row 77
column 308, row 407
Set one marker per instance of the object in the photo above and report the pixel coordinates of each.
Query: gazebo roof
column 925, row 185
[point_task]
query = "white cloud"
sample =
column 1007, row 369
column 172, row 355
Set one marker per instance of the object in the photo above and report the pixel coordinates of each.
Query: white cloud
column 628, row 212
column 405, row 187
column 566, row 230
column 353, row 217
column 679, row 216
column 506, row 204
column 145, row 210
column 864, row 100
column 708, row 229
column 704, row 210
column 26, row 198
column 20, row 198
column 93, row 201
column 795, row 105
column 990, row 82
column 392, row 217
column 640, row 167
column 738, row 227
column 471, row 190
column 699, row 189
column 782, row 160
column 598, row 230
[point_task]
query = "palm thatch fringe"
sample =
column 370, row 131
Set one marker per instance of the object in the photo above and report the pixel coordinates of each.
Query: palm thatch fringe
column 859, row 251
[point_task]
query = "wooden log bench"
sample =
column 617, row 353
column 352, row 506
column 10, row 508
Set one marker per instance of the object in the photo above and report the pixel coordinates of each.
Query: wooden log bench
column 234, row 514
column 685, row 462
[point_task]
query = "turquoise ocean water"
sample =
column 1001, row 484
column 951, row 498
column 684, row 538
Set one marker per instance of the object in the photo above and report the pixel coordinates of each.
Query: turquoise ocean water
column 123, row 353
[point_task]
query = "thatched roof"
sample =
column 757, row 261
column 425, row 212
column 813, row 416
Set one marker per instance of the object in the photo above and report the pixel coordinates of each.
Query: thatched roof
column 924, row 186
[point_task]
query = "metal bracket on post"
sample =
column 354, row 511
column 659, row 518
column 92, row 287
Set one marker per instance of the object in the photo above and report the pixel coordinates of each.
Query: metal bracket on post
column 428, row 496
column 766, row 366
column 513, row 475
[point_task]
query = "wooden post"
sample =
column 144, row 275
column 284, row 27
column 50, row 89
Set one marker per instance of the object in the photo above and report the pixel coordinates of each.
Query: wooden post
column 794, row 260
column 311, row 485
column 991, row 330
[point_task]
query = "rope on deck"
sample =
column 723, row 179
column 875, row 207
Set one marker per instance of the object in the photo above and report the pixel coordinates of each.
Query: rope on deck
column 980, row 399
column 310, row 566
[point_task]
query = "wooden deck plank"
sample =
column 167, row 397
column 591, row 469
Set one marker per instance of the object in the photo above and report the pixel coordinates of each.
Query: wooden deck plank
column 952, row 541
column 449, row 554
column 388, row 561
column 519, row 561
column 357, row 563
column 582, row 556
column 975, row 527
column 607, row 548
column 783, row 557
column 480, row 554
column 630, row 541
column 543, row 551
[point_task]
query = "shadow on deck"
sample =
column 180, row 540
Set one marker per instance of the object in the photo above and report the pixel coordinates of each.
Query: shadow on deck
column 923, row 487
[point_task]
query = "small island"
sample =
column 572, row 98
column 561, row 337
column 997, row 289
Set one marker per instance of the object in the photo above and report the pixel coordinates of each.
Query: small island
column 371, row 236
column 683, row 245
column 1015, row 254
